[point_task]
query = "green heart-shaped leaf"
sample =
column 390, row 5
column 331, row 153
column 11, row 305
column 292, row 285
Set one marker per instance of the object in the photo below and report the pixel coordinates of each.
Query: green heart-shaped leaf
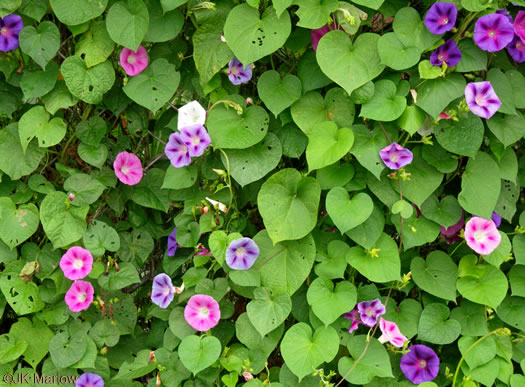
column 278, row 94
column 40, row 44
column 463, row 137
column 198, row 353
column 13, row 160
column 17, row 224
column 385, row 105
column 35, row 123
column 434, row 95
column 127, row 23
column 348, row 213
column 395, row 54
column 411, row 30
column 35, row 84
column 328, row 303
column 436, row 275
column 435, row 326
column 403, row 208
column 327, row 144
column 314, row 13
column 22, row 296
column 366, row 149
column 446, row 212
column 163, row 26
column 335, row 175
column 267, row 311
column 66, row 350
column 7, row 7
column 417, row 230
column 96, row 45
column 74, row 12
column 333, row 264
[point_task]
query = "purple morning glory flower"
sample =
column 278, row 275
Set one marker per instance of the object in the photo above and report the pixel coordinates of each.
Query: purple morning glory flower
column 516, row 50
column 10, row 27
column 172, row 243
column 420, row 365
column 504, row 13
column 241, row 254
column 395, row 156
column 162, row 290
column 448, row 53
column 317, row 34
column 519, row 25
column 493, row 32
column 369, row 311
column 441, row 17
column 496, row 219
column 177, row 151
column 237, row 73
column 89, row 380
column 451, row 233
column 196, row 138
column 354, row 316
column 482, row 99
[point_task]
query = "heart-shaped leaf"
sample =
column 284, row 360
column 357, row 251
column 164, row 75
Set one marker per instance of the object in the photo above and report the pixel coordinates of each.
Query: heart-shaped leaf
column 37, row 335
column 163, row 26
column 338, row 57
column 417, row 230
column 366, row 148
column 35, row 123
column 101, row 237
column 411, row 30
column 434, row 95
column 95, row 46
column 127, row 23
column 13, row 160
column 385, row 105
column 335, row 175
column 276, row 93
column 328, row 303
column 40, row 44
column 463, row 137
column 368, row 233
column 348, row 213
column 395, row 54
column 327, row 144
column 436, row 275
column 74, row 12
column 435, row 326
column 314, row 13
column 22, row 296
column 267, row 311
column 7, row 7
column 198, row 353
column 446, row 212
column 403, row 208
column 35, row 84
column 17, row 224
column 333, row 264
column 66, row 350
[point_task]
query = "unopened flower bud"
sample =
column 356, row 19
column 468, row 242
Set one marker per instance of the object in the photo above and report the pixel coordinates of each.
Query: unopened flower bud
column 247, row 376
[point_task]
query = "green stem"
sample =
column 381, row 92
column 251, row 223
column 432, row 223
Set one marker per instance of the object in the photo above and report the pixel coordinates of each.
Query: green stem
column 87, row 112
column 229, row 177
column 457, row 247
column 464, row 26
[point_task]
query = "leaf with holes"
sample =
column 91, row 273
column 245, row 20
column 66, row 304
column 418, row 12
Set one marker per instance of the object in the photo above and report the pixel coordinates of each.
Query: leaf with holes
column 276, row 93
column 40, row 44
column 127, row 23
column 267, row 311
column 17, row 224
column 101, row 237
column 74, row 12
column 436, row 275
column 23, row 297
column 95, row 46
column 35, row 123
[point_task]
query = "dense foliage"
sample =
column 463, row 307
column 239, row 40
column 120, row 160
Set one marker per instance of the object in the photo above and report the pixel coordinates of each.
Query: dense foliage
column 285, row 192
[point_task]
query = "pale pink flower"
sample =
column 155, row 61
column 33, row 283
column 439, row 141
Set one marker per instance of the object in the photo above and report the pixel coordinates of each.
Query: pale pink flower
column 247, row 375
column 202, row 312
column 133, row 62
column 128, row 168
column 76, row 263
column 391, row 333
column 482, row 235
column 79, row 296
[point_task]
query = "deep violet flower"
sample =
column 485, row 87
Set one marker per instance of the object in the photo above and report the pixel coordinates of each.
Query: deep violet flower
column 10, row 27
column 420, row 365
column 134, row 62
column 493, row 32
column 89, row 380
column 496, row 219
column 448, row 53
column 482, row 235
column 354, row 316
column 482, row 99
column 317, row 34
column 395, row 156
column 79, row 296
column 369, row 311
column 391, row 333
column 202, row 312
column 516, row 50
column 196, row 138
column 237, row 73
column 191, row 114
column 177, row 151
column 451, row 233
column 76, row 263
column 128, row 168
column 241, row 254
column 519, row 25
column 162, row 290
column 172, row 243
column 441, row 17
column 504, row 13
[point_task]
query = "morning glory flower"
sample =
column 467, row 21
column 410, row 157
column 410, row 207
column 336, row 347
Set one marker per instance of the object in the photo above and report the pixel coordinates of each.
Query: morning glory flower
column 482, row 235
column 504, row 13
column 76, row 263
column 79, row 296
column 177, row 151
column 202, row 312
column 10, row 27
column 237, row 73
column 354, row 316
column 496, row 219
column 448, row 53
column 316, row 35
column 172, row 243
column 241, row 254
column 441, row 17
column 369, row 311
column 420, row 365
column 89, row 380
column 395, row 156
column 162, row 290
column 134, row 62
column 451, row 233
column 516, row 50
column 482, row 99
column 128, row 168
column 391, row 333
column 519, row 25
column 493, row 32
column 196, row 138
column 191, row 114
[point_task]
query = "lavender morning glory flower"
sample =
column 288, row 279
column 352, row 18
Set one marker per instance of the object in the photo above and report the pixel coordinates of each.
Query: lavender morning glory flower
column 441, row 17
column 448, row 53
column 516, row 50
column 420, row 365
column 493, row 32
column 162, row 290
column 172, row 243
column 519, row 25
column 238, row 74
column 482, row 99
column 89, row 380
column 10, row 27
column 369, row 311
column 395, row 156
column 196, row 138
column 354, row 316
column 241, row 254
column 177, row 151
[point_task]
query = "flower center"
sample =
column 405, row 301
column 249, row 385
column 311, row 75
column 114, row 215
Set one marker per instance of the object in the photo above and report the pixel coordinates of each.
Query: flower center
column 131, row 59
column 443, row 21
column 195, row 140
column 124, row 170
column 240, row 252
column 81, row 297
column 77, row 264
column 369, row 311
column 441, row 57
column 166, row 290
column 183, row 149
column 421, row 364
column 479, row 236
column 492, row 34
column 518, row 45
column 479, row 100
column 203, row 312
column 4, row 31
column 234, row 70
column 394, row 157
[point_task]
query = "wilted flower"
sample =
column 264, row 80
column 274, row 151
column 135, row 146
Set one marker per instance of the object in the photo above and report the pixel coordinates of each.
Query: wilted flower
column 354, row 316
column 10, row 27
column 516, row 50
column 89, row 380
column 369, row 311
column 441, row 17
column 241, row 254
column 420, row 365
column 191, row 114
column 482, row 99
column 237, row 73
column 496, row 219
column 482, row 235
column 177, row 151
column 448, row 53
column 316, row 35
column 247, row 375
column 133, row 62
column 395, row 156
column 79, row 296
column 196, row 138
column 162, row 290
column 519, row 25
column 451, row 233
column 128, row 168
column 391, row 333
column 172, row 243
column 202, row 312
column 76, row 263
column 493, row 32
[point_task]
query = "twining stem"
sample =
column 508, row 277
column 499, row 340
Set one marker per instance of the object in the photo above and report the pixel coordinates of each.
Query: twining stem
column 229, row 176
column 400, row 217
column 384, row 131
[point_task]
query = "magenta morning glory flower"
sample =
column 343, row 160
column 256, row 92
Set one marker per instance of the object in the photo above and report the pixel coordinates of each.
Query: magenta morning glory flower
column 79, row 296
column 202, row 312
column 172, row 243
column 190, row 114
column 89, row 380
column 519, row 25
column 128, row 168
column 196, row 138
column 493, row 32
column 134, row 62
column 177, row 151
column 317, row 34
column 496, row 219
column 10, row 27
column 451, row 233
column 482, row 235
column 391, row 333
column 448, row 53
column 395, row 156
column 354, row 316
column 369, row 311
column 241, row 254
column 516, row 50
column 441, row 17
column 420, row 365
column 238, row 74
column 162, row 290
column 482, row 99
column 76, row 263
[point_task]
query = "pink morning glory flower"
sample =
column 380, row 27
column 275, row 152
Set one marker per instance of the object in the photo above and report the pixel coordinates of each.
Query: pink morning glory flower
column 128, row 168
column 516, row 50
column 482, row 235
column 191, row 114
column 162, row 290
column 391, row 333
column 493, row 32
column 196, row 138
column 519, row 25
column 451, row 233
column 172, row 243
column 482, row 99
column 76, row 263
column 317, row 34
column 237, row 73
column 441, row 17
column 10, row 27
column 202, row 312
column 354, row 316
column 395, row 156
column 369, row 311
column 448, row 53
column 89, row 380
column 133, row 62
column 241, row 254
column 79, row 296
column 420, row 365
column 177, row 151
